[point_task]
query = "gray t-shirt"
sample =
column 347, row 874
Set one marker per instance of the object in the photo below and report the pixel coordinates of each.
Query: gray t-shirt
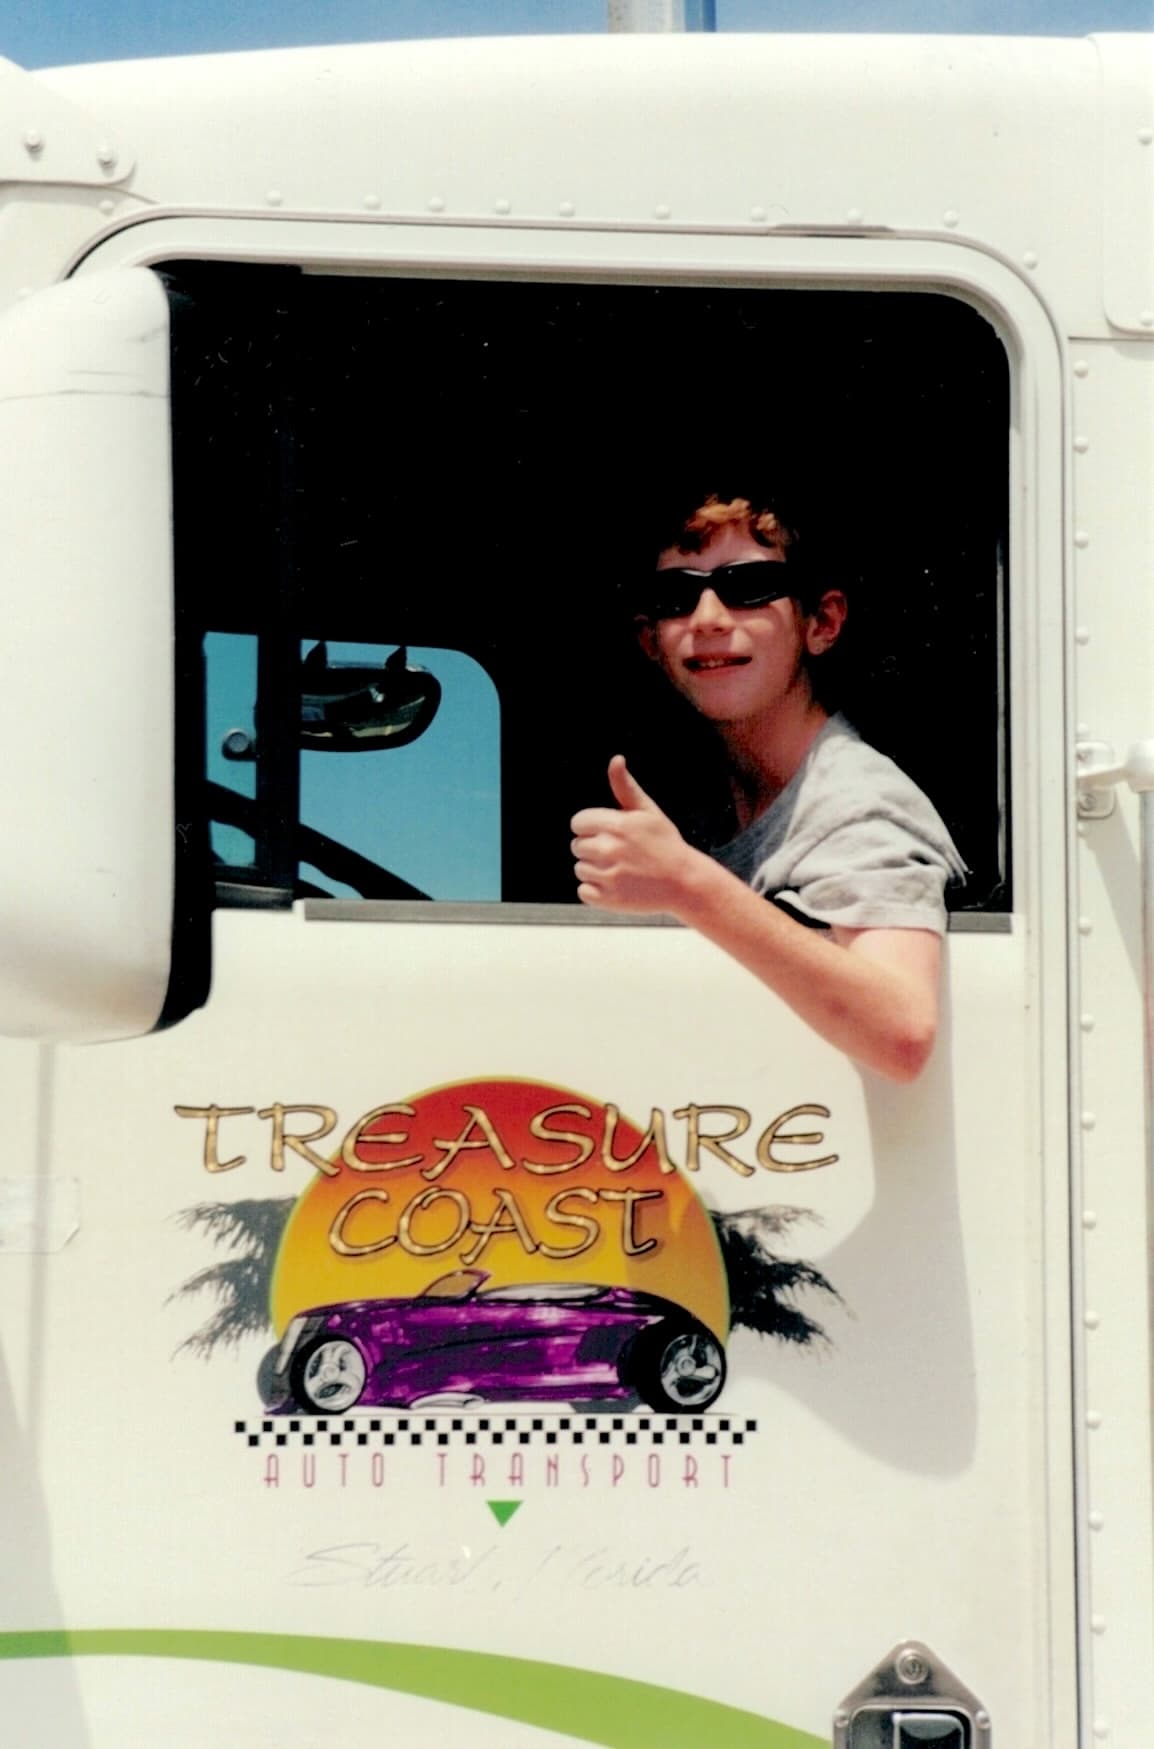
column 850, row 840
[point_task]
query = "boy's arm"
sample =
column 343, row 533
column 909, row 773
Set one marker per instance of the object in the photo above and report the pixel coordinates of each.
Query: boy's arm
column 871, row 992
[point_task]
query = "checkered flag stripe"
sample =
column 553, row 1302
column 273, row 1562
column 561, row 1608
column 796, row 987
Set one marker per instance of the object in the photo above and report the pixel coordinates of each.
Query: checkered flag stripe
column 436, row 1432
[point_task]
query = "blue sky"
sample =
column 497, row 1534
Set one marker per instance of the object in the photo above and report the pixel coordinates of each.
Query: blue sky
column 428, row 812
column 39, row 33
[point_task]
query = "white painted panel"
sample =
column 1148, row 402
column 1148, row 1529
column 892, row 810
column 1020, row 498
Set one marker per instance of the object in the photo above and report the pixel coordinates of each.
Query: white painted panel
column 86, row 806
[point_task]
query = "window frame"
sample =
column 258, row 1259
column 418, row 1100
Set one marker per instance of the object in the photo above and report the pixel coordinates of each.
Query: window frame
column 687, row 257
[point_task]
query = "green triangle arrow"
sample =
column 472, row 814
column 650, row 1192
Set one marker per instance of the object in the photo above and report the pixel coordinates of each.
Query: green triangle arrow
column 503, row 1510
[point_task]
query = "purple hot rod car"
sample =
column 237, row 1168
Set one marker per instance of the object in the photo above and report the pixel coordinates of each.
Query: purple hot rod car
column 568, row 1342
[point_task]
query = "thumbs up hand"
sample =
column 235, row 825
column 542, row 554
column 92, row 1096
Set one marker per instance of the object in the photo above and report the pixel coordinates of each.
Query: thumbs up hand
column 627, row 792
column 631, row 858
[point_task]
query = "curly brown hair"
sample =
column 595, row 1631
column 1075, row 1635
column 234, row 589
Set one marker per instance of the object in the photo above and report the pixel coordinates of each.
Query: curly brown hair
column 761, row 523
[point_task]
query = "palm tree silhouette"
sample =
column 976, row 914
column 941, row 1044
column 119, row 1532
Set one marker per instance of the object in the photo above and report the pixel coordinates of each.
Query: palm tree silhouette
column 241, row 1285
column 763, row 1283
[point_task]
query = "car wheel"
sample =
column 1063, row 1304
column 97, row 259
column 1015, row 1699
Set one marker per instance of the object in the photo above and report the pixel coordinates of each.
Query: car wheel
column 675, row 1366
column 329, row 1375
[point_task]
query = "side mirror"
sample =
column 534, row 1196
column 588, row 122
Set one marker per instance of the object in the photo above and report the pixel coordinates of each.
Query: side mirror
column 354, row 707
column 87, row 660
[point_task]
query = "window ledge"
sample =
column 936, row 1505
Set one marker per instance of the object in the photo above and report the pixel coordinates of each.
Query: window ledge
column 567, row 916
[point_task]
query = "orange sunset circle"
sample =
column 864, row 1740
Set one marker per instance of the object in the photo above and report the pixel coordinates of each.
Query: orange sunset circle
column 522, row 1180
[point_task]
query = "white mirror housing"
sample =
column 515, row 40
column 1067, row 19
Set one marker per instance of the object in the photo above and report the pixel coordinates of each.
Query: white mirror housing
column 86, row 660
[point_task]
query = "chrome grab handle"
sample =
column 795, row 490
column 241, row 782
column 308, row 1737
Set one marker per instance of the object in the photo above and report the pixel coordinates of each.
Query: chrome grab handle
column 1098, row 776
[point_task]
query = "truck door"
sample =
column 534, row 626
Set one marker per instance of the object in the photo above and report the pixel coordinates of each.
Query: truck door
column 490, row 1320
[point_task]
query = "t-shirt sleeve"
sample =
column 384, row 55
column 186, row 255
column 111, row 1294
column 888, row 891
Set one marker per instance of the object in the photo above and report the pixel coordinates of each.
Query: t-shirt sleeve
column 875, row 871
column 851, row 842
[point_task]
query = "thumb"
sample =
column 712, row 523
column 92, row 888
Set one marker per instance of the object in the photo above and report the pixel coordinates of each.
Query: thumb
column 627, row 792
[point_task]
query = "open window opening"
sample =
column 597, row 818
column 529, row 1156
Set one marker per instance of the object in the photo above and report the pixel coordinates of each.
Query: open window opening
column 406, row 512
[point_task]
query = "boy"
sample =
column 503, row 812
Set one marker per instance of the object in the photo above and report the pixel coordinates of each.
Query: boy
column 829, row 828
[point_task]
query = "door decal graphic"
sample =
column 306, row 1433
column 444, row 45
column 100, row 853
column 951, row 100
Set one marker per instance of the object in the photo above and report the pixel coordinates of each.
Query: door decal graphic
column 502, row 1241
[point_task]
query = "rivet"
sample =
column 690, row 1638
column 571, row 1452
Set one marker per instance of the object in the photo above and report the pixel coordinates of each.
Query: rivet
column 1081, row 368
column 662, row 212
column 758, row 215
column 950, row 218
column 436, row 203
column 107, row 206
column 982, row 1719
column 1091, row 1320
column 1081, row 538
column 841, row 1720
column 566, row 209
column 1146, row 319
column 1081, row 635
column 1088, row 1120
column 1030, row 259
column 1087, row 1023
column 1101, row 1728
column 854, row 216
column 1093, row 1419
column 1082, row 730
column 373, row 202
column 106, row 157
column 274, row 197
column 911, row 1667
column 1096, row 1521
column 1081, row 444
column 33, row 140
column 1085, row 927
column 1089, row 1219
column 502, row 206
column 1145, row 135
column 1097, row 1624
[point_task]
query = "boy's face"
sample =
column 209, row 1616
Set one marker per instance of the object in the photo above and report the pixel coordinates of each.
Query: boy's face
column 735, row 663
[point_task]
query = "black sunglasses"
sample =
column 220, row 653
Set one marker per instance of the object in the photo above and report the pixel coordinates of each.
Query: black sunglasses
column 673, row 594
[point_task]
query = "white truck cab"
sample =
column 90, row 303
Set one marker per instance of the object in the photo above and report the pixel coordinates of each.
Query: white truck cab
column 430, row 1309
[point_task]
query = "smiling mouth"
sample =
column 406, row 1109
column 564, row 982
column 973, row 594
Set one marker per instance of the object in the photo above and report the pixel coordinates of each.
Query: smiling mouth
column 712, row 664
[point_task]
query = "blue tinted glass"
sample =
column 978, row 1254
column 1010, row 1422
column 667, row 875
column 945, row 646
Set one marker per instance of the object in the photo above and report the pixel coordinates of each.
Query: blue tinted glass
column 230, row 696
column 429, row 811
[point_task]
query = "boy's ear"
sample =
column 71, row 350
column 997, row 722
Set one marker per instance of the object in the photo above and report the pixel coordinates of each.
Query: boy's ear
column 647, row 638
column 823, row 625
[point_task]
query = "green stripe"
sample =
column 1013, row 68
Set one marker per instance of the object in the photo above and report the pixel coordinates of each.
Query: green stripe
column 612, row 1710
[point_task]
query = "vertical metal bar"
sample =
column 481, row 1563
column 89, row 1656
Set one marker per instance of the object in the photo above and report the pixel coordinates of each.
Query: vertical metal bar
column 1146, row 835
column 661, row 15
column 1146, row 805
column 278, row 649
